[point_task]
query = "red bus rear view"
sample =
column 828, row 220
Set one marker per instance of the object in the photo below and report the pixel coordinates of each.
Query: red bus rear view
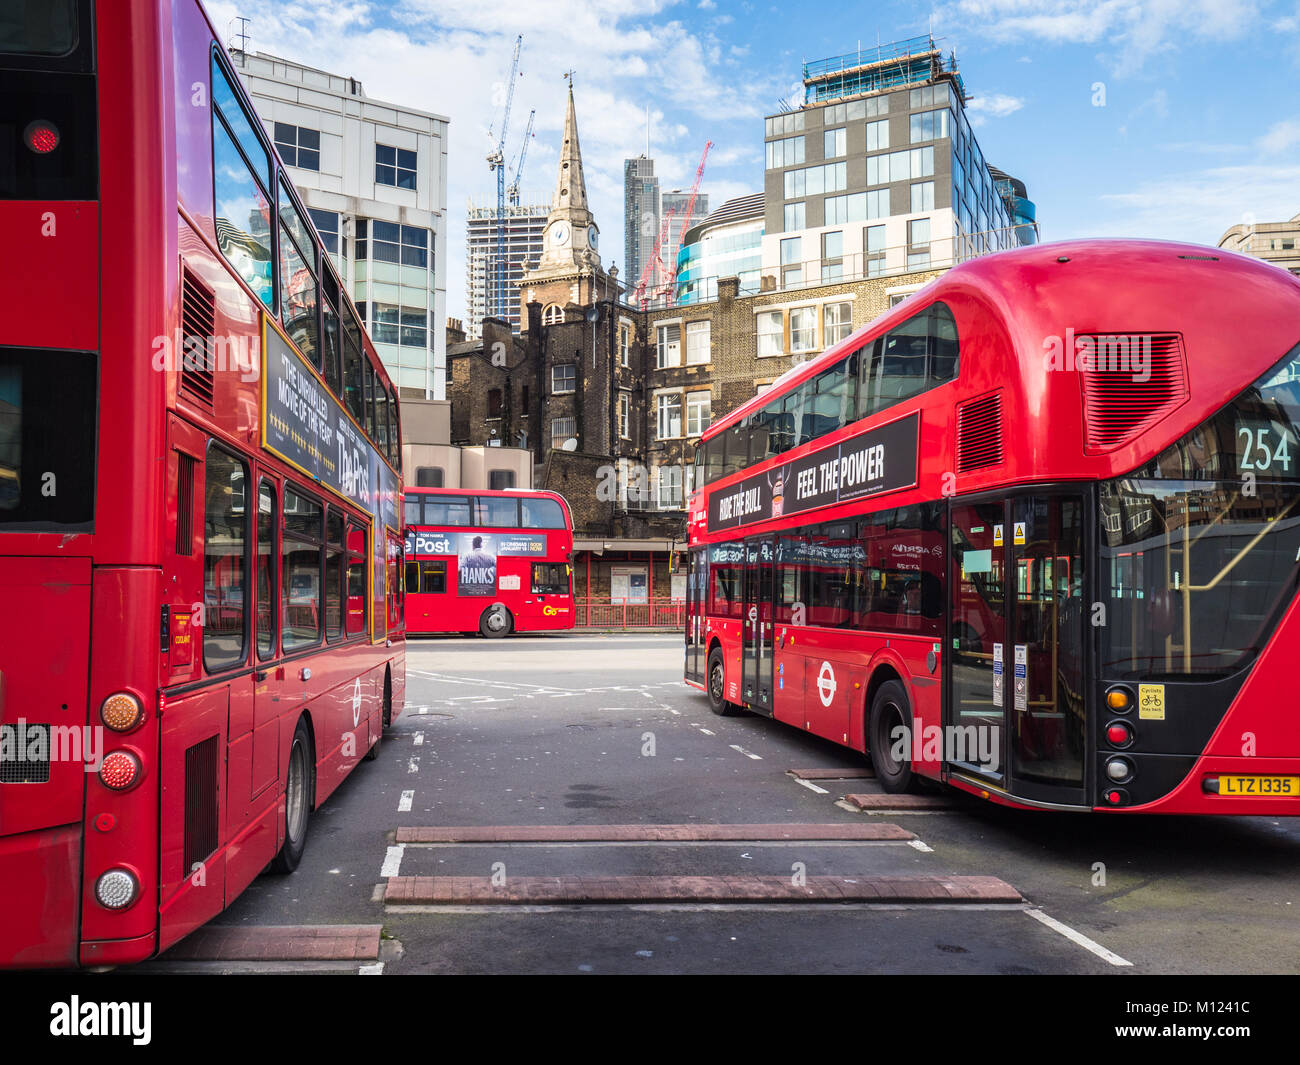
column 199, row 498
column 494, row 562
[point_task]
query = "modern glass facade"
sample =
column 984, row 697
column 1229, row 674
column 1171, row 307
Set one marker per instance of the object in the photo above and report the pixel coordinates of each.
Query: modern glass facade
column 729, row 243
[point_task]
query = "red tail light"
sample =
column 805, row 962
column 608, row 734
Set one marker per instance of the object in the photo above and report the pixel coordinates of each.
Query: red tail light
column 119, row 770
column 41, row 137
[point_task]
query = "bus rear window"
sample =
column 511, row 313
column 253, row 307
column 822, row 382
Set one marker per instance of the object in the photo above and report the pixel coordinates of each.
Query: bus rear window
column 38, row 27
column 48, row 411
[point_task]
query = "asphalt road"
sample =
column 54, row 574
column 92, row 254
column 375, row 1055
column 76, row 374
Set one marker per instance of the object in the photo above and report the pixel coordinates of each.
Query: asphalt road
column 599, row 730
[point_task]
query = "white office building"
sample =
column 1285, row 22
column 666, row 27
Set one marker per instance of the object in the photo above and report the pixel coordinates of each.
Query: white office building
column 374, row 177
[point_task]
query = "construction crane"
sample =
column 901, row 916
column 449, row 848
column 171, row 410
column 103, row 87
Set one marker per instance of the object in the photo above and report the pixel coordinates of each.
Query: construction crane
column 512, row 190
column 655, row 258
column 497, row 162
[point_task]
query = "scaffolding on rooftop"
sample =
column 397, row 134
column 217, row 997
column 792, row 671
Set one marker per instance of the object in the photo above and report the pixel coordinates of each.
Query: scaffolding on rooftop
column 914, row 61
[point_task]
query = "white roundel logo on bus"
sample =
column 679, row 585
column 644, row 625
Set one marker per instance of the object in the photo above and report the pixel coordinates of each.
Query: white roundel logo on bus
column 826, row 684
column 356, row 704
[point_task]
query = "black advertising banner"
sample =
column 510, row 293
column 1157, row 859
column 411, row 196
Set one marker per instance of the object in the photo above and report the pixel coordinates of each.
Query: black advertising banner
column 423, row 542
column 476, row 564
column 878, row 460
column 305, row 425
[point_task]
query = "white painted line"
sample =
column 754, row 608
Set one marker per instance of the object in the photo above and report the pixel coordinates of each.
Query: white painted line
column 419, row 739
column 747, row 754
column 706, row 731
column 404, row 803
column 1078, row 937
column 924, row 848
column 377, row 969
column 393, row 861
column 811, row 786
column 413, row 766
column 672, row 711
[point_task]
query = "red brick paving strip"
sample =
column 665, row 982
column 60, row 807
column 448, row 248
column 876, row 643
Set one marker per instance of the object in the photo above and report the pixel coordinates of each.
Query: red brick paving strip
column 321, row 942
column 901, row 802
column 831, row 774
column 651, row 833
column 450, row 890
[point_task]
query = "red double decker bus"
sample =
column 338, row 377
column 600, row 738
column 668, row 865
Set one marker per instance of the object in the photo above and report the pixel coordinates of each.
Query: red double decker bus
column 493, row 561
column 200, row 504
column 1034, row 533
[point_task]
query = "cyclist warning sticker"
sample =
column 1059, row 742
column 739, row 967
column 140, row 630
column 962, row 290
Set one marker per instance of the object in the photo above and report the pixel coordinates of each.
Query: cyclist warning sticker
column 1020, row 533
column 1151, row 702
column 997, row 536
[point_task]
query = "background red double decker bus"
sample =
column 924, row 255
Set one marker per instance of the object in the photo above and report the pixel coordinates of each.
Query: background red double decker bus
column 1035, row 533
column 493, row 561
column 199, row 492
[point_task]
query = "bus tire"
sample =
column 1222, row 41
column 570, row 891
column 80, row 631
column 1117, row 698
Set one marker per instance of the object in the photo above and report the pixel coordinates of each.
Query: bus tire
column 889, row 710
column 717, row 682
column 496, row 622
column 297, row 801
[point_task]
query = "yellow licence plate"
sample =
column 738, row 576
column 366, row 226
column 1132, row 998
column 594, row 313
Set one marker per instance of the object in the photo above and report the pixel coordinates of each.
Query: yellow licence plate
column 1259, row 787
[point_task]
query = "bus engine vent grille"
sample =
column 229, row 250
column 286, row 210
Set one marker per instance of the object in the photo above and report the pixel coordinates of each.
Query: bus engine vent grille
column 979, row 433
column 198, row 319
column 24, row 754
column 200, row 802
column 185, row 465
column 1130, row 382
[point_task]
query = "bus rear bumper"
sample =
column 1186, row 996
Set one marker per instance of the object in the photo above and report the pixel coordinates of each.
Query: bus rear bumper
column 1205, row 790
column 118, row 951
column 40, row 898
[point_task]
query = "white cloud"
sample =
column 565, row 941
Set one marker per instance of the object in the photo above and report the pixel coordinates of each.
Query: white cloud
column 1280, row 137
column 992, row 105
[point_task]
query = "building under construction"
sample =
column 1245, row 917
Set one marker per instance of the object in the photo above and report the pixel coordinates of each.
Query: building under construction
column 525, row 225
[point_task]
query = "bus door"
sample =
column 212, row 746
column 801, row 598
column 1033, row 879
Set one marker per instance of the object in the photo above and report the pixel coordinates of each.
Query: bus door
column 697, row 583
column 1018, row 639
column 758, row 627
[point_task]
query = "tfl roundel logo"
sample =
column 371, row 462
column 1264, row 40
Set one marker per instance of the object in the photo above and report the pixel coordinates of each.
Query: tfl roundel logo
column 826, row 684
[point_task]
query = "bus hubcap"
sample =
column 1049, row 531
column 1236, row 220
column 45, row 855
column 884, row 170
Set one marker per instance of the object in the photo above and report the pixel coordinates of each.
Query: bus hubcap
column 295, row 797
column 715, row 683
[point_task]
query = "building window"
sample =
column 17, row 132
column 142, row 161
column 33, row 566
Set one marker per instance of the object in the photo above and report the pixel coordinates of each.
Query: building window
column 298, row 146
column 929, row 126
column 816, row 180
column 562, row 430
column 564, row 378
column 791, row 264
column 429, row 476
column 699, row 407
column 388, row 242
column 553, row 315
column 625, row 344
column 832, row 256
column 787, row 152
column 771, row 333
column 697, row 343
column 789, row 122
column 918, row 235
column 394, row 166
column 877, row 136
column 670, row 487
column 873, row 245
column 327, row 227
column 501, row 479
column 838, row 318
column 624, row 416
column 833, row 143
column 803, row 329
column 494, row 403
column 669, row 346
column 668, row 412
column 794, row 217
column 922, row 196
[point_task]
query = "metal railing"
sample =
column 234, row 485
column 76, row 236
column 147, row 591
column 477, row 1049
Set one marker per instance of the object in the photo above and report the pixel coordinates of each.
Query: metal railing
column 621, row 614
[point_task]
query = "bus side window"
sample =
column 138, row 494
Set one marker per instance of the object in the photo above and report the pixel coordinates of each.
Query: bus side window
column 356, row 589
column 225, row 580
column 412, row 577
column 433, row 577
column 334, row 574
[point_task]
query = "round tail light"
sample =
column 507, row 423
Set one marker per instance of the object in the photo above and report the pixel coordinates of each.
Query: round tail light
column 120, row 770
column 116, row 889
column 41, row 137
column 121, row 712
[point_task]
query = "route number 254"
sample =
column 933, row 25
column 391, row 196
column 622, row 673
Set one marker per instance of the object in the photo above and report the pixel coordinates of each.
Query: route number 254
column 1258, row 451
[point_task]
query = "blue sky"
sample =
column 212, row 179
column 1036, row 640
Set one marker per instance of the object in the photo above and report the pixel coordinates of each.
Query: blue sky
column 1155, row 118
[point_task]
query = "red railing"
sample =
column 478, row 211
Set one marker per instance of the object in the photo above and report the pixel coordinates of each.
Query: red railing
column 607, row 613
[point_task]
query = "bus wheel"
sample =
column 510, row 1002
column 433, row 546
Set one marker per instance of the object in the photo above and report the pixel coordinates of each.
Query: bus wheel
column 889, row 712
column 373, row 753
column 297, row 802
column 496, row 622
column 717, row 686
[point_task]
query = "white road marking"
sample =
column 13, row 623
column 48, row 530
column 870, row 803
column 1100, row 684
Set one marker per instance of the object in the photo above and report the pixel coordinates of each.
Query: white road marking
column 811, row 786
column 393, row 861
column 747, row 754
column 671, row 710
column 419, row 739
column 705, row 731
column 1078, row 937
column 413, row 766
column 377, row 969
column 924, row 848
column 404, row 803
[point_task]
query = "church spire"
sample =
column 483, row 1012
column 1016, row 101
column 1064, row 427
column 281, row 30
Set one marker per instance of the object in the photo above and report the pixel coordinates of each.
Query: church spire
column 570, row 186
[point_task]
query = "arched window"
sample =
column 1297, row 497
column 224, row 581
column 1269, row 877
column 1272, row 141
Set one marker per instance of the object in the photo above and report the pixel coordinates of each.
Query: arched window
column 553, row 314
